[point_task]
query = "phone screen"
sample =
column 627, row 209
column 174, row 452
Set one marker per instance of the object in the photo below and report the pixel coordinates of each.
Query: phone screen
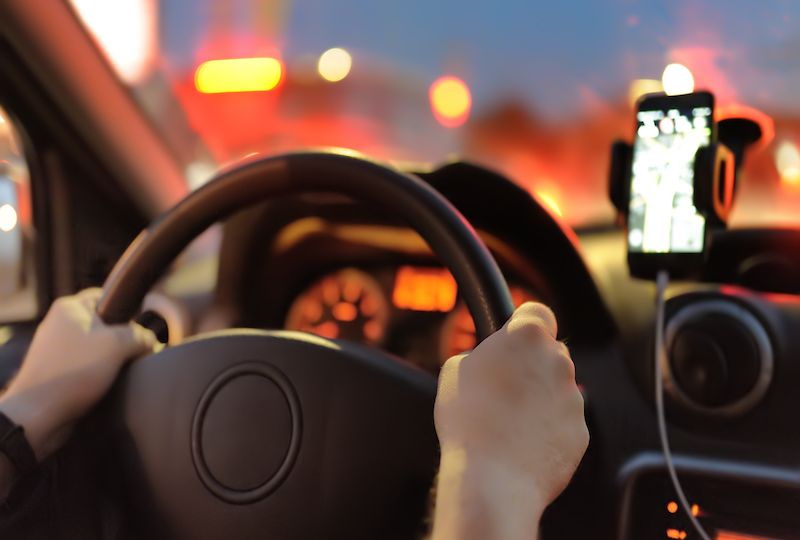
column 662, row 217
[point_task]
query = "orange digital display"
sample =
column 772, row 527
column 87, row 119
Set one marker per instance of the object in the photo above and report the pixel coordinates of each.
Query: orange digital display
column 424, row 289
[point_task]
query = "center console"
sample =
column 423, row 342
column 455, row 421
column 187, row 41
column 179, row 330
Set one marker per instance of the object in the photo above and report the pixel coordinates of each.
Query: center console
column 733, row 501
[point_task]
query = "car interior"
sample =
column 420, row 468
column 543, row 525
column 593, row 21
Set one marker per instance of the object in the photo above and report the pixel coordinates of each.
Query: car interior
column 308, row 295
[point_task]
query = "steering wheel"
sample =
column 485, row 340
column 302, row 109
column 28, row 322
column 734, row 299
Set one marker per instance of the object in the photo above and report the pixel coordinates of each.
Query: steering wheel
column 249, row 433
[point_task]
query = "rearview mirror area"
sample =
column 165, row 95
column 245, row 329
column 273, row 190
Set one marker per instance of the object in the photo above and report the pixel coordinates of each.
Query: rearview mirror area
column 18, row 299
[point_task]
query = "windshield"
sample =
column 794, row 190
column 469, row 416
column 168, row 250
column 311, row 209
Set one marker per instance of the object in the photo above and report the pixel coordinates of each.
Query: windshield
column 537, row 90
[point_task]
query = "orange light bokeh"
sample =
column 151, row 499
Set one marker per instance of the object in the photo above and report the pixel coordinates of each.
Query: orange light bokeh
column 550, row 201
column 451, row 101
column 787, row 162
column 238, row 75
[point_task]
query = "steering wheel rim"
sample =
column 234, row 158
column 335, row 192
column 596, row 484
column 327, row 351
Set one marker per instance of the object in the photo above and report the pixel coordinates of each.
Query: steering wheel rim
column 272, row 433
column 446, row 231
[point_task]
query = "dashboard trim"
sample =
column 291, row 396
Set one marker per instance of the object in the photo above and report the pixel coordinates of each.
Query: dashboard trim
column 398, row 239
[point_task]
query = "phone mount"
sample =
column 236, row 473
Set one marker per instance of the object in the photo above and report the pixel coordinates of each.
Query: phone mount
column 714, row 184
column 714, row 181
column 716, row 170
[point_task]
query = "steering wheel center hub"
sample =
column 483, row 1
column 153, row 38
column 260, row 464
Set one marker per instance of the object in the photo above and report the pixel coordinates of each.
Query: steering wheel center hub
column 246, row 432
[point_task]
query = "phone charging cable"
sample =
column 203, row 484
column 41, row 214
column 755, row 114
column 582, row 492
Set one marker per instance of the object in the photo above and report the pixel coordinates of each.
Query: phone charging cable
column 660, row 357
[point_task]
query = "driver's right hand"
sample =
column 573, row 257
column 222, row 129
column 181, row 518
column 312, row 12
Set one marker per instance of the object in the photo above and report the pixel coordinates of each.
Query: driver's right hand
column 512, row 406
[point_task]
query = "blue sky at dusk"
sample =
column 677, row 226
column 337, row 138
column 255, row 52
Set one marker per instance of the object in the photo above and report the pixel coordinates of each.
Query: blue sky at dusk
column 557, row 56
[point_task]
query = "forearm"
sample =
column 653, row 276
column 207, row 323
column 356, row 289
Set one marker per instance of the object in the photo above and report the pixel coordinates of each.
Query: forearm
column 476, row 499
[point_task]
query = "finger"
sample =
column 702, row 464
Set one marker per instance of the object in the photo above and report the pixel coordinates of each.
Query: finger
column 563, row 361
column 91, row 293
column 133, row 340
column 582, row 429
column 579, row 403
column 450, row 365
column 452, row 362
column 534, row 321
column 539, row 311
column 88, row 298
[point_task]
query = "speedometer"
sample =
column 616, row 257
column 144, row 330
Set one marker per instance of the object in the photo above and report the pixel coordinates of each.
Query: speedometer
column 348, row 304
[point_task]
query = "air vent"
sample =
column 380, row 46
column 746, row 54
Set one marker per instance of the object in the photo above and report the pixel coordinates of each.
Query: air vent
column 719, row 358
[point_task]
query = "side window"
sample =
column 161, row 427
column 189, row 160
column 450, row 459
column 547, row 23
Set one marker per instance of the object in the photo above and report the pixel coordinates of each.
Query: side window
column 17, row 270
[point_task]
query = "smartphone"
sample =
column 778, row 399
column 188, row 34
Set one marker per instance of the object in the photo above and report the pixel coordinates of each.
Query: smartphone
column 665, row 230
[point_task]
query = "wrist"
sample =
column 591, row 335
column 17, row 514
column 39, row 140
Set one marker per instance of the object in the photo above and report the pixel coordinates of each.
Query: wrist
column 41, row 427
column 480, row 497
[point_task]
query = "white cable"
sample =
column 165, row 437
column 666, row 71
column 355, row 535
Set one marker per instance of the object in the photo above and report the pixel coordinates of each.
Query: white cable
column 660, row 356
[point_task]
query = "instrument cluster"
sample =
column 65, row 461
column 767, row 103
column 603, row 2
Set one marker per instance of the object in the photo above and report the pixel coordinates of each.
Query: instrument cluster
column 414, row 312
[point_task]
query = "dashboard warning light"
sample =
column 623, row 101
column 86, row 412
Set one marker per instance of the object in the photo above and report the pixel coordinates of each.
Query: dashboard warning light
column 672, row 507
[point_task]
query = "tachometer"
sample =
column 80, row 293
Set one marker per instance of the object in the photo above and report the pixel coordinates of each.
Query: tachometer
column 348, row 304
column 458, row 332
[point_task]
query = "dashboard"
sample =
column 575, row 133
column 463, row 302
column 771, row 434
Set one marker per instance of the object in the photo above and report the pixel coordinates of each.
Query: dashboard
column 339, row 268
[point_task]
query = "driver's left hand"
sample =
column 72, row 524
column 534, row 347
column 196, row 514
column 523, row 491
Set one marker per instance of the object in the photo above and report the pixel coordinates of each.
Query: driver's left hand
column 72, row 362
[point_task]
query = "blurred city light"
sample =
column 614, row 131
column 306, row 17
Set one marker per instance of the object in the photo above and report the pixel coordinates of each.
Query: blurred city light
column 450, row 101
column 238, row 75
column 125, row 31
column 334, row 64
column 787, row 161
column 8, row 218
column 677, row 79
column 641, row 87
column 550, row 201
